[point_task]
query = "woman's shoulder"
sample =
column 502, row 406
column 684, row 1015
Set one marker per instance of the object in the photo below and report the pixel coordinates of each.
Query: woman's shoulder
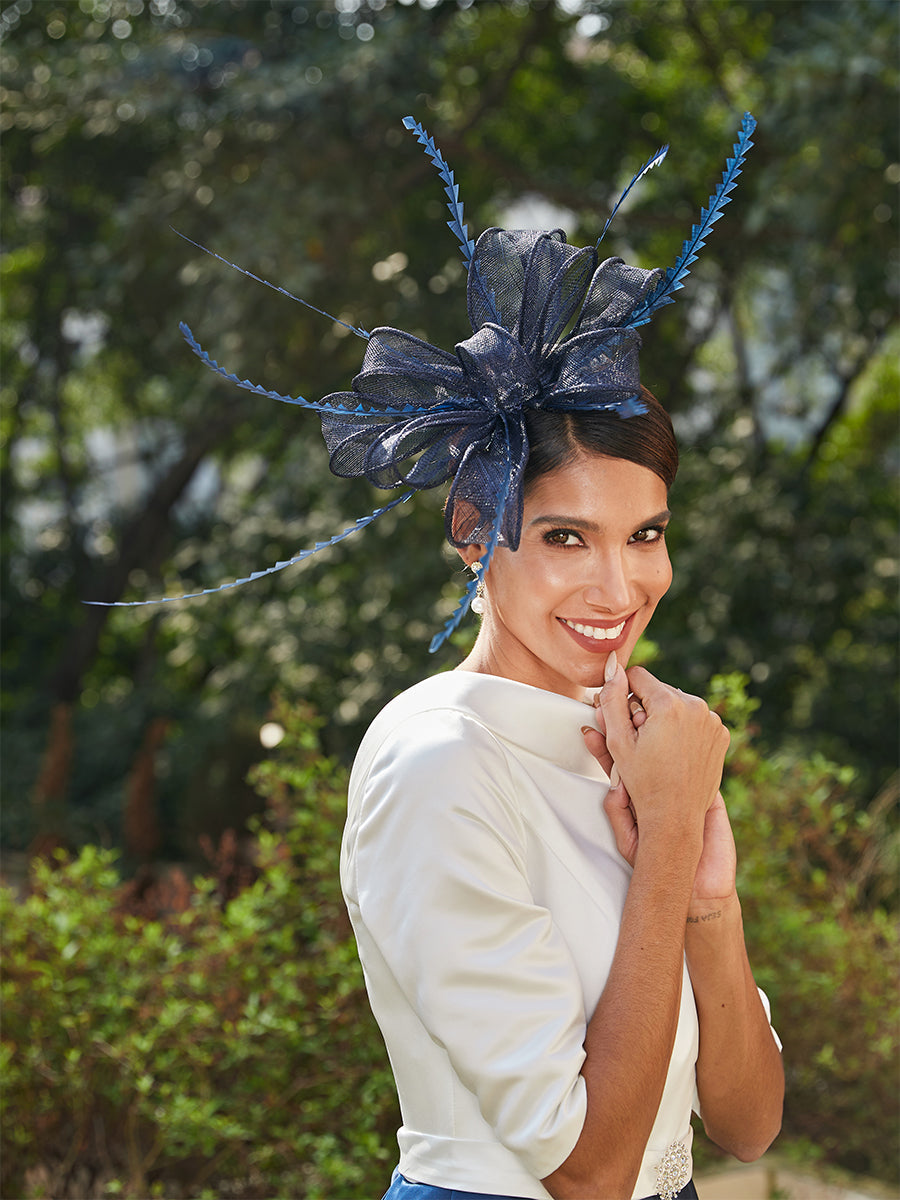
column 456, row 690
column 443, row 710
column 427, row 758
column 481, row 715
column 494, row 700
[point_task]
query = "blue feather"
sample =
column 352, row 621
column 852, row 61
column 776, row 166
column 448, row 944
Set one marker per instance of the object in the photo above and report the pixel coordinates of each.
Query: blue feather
column 672, row 281
column 651, row 162
column 489, row 296
column 457, row 226
column 353, row 329
column 407, row 409
column 279, row 566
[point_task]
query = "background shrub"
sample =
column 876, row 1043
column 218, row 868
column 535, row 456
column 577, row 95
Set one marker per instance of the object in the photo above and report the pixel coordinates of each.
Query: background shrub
column 222, row 1048
column 818, row 883
column 213, row 1038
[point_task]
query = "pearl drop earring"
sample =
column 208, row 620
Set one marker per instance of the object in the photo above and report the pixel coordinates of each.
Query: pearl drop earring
column 477, row 605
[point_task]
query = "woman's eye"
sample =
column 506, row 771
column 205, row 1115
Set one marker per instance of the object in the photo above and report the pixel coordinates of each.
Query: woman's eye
column 653, row 533
column 562, row 537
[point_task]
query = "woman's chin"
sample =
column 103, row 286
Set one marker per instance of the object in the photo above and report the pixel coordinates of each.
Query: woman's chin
column 592, row 675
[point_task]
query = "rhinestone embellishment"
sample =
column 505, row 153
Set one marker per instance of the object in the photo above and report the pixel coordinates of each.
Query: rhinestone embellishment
column 673, row 1172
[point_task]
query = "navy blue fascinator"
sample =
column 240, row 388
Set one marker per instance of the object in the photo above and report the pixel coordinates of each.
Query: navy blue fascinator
column 552, row 328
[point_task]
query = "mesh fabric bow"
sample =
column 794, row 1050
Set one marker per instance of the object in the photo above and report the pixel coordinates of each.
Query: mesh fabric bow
column 419, row 416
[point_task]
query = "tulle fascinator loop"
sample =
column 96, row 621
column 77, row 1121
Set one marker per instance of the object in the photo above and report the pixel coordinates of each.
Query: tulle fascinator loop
column 552, row 329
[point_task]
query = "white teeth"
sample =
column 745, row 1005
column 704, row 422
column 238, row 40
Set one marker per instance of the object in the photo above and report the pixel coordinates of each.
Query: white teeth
column 593, row 631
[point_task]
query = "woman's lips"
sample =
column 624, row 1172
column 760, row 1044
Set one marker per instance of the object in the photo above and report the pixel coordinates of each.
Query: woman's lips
column 596, row 637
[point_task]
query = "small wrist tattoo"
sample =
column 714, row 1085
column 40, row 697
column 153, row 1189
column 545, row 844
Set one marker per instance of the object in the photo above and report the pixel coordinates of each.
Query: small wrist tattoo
column 710, row 916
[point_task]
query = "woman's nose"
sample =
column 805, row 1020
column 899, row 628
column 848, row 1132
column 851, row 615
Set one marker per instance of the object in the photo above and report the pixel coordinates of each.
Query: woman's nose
column 610, row 590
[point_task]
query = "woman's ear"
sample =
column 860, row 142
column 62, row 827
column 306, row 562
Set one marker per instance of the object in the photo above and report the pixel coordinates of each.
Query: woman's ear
column 470, row 554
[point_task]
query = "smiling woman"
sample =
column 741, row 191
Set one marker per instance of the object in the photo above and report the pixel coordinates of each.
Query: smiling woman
column 554, row 985
column 542, row 881
column 554, row 951
column 541, row 875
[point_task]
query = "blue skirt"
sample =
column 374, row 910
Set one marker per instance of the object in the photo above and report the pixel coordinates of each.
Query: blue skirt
column 402, row 1189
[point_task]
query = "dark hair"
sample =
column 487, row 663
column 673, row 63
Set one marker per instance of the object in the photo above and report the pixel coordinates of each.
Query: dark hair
column 647, row 439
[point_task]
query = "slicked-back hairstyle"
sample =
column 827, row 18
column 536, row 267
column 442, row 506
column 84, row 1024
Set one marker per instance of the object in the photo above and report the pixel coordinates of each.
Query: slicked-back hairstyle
column 646, row 439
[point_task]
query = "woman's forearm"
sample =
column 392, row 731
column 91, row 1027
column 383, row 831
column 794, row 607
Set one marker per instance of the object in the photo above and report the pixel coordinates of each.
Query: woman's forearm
column 669, row 764
column 631, row 1033
column 740, row 1078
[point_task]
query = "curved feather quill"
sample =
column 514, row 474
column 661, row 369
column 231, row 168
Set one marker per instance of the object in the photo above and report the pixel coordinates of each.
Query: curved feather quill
column 457, row 226
column 672, row 281
column 314, row 406
column 651, row 162
column 361, row 523
column 275, row 288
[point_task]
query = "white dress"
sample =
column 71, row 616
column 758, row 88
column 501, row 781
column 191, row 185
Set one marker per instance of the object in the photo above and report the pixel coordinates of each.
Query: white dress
column 486, row 893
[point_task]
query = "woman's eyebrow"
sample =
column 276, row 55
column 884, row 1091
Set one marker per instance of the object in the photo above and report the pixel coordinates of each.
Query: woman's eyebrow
column 661, row 518
column 580, row 523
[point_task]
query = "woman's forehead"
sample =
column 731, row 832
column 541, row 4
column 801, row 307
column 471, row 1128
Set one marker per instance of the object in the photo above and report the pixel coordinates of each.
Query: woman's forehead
column 593, row 487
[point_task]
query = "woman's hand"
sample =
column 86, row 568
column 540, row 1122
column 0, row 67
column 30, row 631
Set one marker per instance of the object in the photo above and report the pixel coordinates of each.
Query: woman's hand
column 670, row 750
column 714, row 882
column 715, row 878
column 617, row 804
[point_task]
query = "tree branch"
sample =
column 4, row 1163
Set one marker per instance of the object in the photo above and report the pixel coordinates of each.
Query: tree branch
column 140, row 542
column 839, row 404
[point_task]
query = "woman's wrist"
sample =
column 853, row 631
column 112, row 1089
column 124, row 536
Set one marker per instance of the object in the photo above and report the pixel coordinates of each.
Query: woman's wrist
column 709, row 910
column 654, row 847
column 711, row 927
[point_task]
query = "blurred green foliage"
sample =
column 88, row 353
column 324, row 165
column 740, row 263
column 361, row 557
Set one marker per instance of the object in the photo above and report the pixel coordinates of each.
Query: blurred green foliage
column 207, row 1038
column 213, row 1039
column 271, row 132
column 818, row 881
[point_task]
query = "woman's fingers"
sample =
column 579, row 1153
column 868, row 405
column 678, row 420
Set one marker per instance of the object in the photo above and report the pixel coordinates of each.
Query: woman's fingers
column 633, row 713
column 614, row 707
column 645, row 688
column 668, row 747
column 663, row 752
column 617, row 807
column 596, row 744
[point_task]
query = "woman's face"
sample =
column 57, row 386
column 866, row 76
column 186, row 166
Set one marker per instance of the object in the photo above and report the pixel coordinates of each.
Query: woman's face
column 590, row 569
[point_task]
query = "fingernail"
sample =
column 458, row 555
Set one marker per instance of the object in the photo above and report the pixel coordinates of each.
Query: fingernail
column 597, row 699
column 614, row 780
column 612, row 665
column 587, row 729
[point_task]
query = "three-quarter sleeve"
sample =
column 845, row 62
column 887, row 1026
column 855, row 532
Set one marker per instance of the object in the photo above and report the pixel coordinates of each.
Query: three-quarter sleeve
column 439, row 872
